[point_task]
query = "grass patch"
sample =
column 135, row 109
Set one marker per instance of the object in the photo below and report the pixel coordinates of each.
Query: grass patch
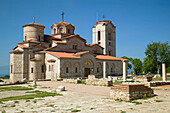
column 51, row 105
column 13, row 105
column 75, row 110
column 38, row 94
column 53, row 111
column 15, row 88
column 137, row 103
column 4, row 111
column 119, row 100
column 158, row 100
column 117, row 82
column 27, row 101
column 92, row 108
column 82, row 82
column 160, row 79
column 123, row 111
column 35, row 101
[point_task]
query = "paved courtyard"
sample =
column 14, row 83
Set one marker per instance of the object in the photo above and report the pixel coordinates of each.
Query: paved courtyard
column 84, row 99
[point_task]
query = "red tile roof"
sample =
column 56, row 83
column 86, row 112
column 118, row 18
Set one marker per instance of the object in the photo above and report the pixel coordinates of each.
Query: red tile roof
column 15, row 51
column 51, row 36
column 80, row 53
column 107, row 57
column 62, row 22
column 94, row 45
column 30, row 24
column 40, row 52
column 71, row 36
column 63, row 55
column 51, row 60
column 35, row 59
column 60, row 42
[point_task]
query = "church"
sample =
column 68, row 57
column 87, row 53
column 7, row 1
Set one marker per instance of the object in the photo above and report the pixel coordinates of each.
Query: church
column 64, row 54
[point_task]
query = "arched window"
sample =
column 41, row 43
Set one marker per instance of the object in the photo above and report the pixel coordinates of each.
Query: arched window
column 42, row 68
column 25, row 37
column 111, row 69
column 32, row 70
column 68, row 30
column 54, row 30
column 110, row 52
column 98, row 35
column 39, row 38
column 76, row 47
column 97, row 69
column 66, row 69
column 76, row 70
column 73, row 46
column 109, row 43
column 11, row 68
column 109, row 36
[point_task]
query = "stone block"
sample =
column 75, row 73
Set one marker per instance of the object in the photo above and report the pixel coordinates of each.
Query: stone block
column 60, row 88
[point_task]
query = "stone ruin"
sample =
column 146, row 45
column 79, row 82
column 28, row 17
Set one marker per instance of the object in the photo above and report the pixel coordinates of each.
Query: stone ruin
column 143, row 78
column 130, row 91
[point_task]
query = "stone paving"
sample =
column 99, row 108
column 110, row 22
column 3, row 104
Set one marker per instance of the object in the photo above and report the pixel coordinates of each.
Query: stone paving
column 85, row 99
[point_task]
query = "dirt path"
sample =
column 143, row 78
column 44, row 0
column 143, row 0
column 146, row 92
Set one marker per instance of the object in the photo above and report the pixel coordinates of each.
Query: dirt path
column 82, row 89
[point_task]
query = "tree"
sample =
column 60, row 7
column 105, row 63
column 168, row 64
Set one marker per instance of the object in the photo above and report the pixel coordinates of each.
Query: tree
column 129, row 65
column 156, row 53
column 137, row 66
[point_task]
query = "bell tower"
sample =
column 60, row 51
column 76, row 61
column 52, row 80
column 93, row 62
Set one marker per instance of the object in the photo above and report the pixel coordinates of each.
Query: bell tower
column 104, row 34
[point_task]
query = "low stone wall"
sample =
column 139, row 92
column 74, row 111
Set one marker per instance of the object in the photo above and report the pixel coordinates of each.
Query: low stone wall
column 130, row 91
column 99, row 82
column 157, row 83
column 143, row 78
column 75, row 81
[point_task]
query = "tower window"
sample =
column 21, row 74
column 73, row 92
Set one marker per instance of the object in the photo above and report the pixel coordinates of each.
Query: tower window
column 39, row 38
column 109, row 52
column 68, row 30
column 32, row 70
column 75, row 47
column 60, row 30
column 66, row 69
column 76, row 70
column 109, row 43
column 11, row 68
column 98, row 35
column 109, row 36
column 54, row 30
column 25, row 37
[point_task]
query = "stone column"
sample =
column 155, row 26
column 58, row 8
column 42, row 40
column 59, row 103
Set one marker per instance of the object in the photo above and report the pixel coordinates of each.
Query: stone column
column 163, row 72
column 124, row 70
column 104, row 69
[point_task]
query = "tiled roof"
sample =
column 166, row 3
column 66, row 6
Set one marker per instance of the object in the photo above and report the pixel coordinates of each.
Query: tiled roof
column 30, row 24
column 80, row 53
column 62, row 22
column 51, row 36
column 107, row 57
column 15, row 51
column 107, row 22
column 63, row 55
column 59, row 42
column 34, row 59
column 94, row 44
column 51, row 60
column 40, row 52
column 71, row 36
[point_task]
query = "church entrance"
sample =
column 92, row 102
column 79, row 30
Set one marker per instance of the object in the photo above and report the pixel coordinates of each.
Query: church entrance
column 86, row 72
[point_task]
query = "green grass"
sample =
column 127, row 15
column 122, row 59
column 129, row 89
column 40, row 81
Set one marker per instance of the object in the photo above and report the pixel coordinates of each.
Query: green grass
column 119, row 100
column 137, row 103
column 117, row 82
column 5, row 77
column 82, row 82
column 16, row 102
column 16, row 88
column 160, row 79
column 4, row 111
column 75, row 110
column 123, row 111
column 51, row 105
column 92, row 108
column 35, row 101
column 38, row 94
column 158, row 100
column 27, row 101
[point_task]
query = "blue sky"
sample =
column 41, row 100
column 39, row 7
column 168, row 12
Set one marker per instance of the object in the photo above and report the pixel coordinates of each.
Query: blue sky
column 138, row 22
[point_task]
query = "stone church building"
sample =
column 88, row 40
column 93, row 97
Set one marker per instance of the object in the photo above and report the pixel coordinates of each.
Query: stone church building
column 64, row 54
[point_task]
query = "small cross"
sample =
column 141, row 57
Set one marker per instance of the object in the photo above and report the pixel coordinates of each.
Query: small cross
column 33, row 19
column 62, row 16
column 103, row 17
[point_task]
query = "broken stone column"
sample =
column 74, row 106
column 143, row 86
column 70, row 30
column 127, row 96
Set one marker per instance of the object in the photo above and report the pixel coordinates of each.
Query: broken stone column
column 124, row 70
column 163, row 72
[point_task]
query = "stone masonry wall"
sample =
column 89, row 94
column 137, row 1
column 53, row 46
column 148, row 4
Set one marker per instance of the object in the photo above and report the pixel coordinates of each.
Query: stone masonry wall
column 130, row 91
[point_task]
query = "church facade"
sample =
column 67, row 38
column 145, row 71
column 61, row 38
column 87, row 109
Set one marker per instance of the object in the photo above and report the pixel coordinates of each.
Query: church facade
column 64, row 54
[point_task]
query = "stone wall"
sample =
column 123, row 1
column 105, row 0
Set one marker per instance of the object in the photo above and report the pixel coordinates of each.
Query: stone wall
column 143, row 78
column 130, row 91
column 99, row 82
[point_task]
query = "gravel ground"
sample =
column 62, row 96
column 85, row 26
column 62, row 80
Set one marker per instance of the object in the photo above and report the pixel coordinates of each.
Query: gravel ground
column 85, row 99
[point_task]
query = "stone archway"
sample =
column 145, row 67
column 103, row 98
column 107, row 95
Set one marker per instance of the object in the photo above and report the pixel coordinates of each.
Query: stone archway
column 88, row 66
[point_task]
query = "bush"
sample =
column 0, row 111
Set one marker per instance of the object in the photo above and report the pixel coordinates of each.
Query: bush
column 5, row 77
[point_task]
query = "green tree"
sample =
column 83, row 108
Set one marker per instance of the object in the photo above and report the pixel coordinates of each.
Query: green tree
column 129, row 65
column 156, row 53
column 137, row 66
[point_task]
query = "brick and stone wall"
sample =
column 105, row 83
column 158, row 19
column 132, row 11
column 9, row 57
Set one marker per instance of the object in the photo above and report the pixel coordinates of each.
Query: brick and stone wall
column 99, row 82
column 143, row 78
column 130, row 91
